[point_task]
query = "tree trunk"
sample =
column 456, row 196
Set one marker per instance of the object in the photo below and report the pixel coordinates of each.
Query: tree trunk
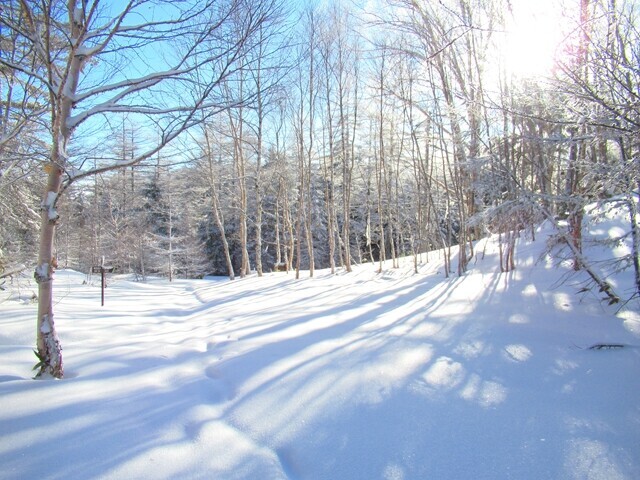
column 328, row 168
column 237, row 130
column 170, row 231
column 635, row 237
column 215, row 206
column 346, row 181
column 288, row 224
column 575, row 209
column 49, row 350
column 276, row 215
column 308, row 150
column 258, row 180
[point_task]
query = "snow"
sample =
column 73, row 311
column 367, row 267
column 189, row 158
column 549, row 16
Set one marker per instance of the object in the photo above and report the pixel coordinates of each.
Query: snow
column 360, row 375
column 50, row 199
column 49, row 205
column 42, row 271
column 46, row 326
column 78, row 15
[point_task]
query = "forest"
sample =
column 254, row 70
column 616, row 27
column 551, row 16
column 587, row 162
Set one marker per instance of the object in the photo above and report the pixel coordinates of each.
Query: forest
column 234, row 137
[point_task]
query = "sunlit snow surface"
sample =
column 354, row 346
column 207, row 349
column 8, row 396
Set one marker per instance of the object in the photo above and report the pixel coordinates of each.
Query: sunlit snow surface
column 360, row 375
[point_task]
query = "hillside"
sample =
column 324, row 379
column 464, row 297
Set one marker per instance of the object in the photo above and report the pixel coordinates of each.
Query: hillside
column 366, row 375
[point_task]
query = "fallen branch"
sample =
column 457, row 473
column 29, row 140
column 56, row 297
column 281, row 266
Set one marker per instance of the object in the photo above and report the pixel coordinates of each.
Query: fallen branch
column 602, row 284
column 606, row 346
column 14, row 270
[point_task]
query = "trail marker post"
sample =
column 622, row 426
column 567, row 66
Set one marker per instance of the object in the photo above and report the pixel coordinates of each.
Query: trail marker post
column 102, row 270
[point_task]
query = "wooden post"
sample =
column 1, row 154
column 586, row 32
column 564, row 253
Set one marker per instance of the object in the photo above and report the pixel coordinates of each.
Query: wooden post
column 102, row 292
column 102, row 270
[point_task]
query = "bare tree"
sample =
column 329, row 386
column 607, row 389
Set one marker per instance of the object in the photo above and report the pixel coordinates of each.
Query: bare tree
column 267, row 66
column 601, row 81
column 216, row 207
column 77, row 44
column 328, row 136
column 346, row 77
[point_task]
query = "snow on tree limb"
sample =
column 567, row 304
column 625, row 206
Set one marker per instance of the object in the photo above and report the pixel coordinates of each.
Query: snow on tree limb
column 603, row 286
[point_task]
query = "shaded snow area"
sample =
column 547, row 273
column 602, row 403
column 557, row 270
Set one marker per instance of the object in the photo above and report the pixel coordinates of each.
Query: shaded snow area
column 360, row 375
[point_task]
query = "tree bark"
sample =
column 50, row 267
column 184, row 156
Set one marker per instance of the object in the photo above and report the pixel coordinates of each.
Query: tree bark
column 49, row 349
column 215, row 205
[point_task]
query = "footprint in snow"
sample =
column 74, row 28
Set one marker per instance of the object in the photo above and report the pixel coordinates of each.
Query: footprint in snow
column 218, row 390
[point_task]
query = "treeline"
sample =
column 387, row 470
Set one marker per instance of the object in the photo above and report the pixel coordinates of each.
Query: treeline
column 344, row 137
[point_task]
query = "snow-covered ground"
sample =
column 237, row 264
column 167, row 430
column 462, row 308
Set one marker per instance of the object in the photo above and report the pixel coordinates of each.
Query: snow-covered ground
column 349, row 376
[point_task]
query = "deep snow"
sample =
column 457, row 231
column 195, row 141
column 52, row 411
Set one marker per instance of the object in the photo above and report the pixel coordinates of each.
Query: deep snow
column 365, row 375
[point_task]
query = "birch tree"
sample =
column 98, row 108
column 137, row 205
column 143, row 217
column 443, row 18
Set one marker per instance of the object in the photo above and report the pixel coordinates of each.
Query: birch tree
column 346, row 72
column 328, row 136
column 216, row 208
column 76, row 45
column 266, row 69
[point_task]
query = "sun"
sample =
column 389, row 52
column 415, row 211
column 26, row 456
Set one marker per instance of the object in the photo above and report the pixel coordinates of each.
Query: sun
column 533, row 37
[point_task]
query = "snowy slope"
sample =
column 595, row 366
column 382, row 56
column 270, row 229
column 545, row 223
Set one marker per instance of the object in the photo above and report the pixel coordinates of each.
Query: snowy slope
column 349, row 376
